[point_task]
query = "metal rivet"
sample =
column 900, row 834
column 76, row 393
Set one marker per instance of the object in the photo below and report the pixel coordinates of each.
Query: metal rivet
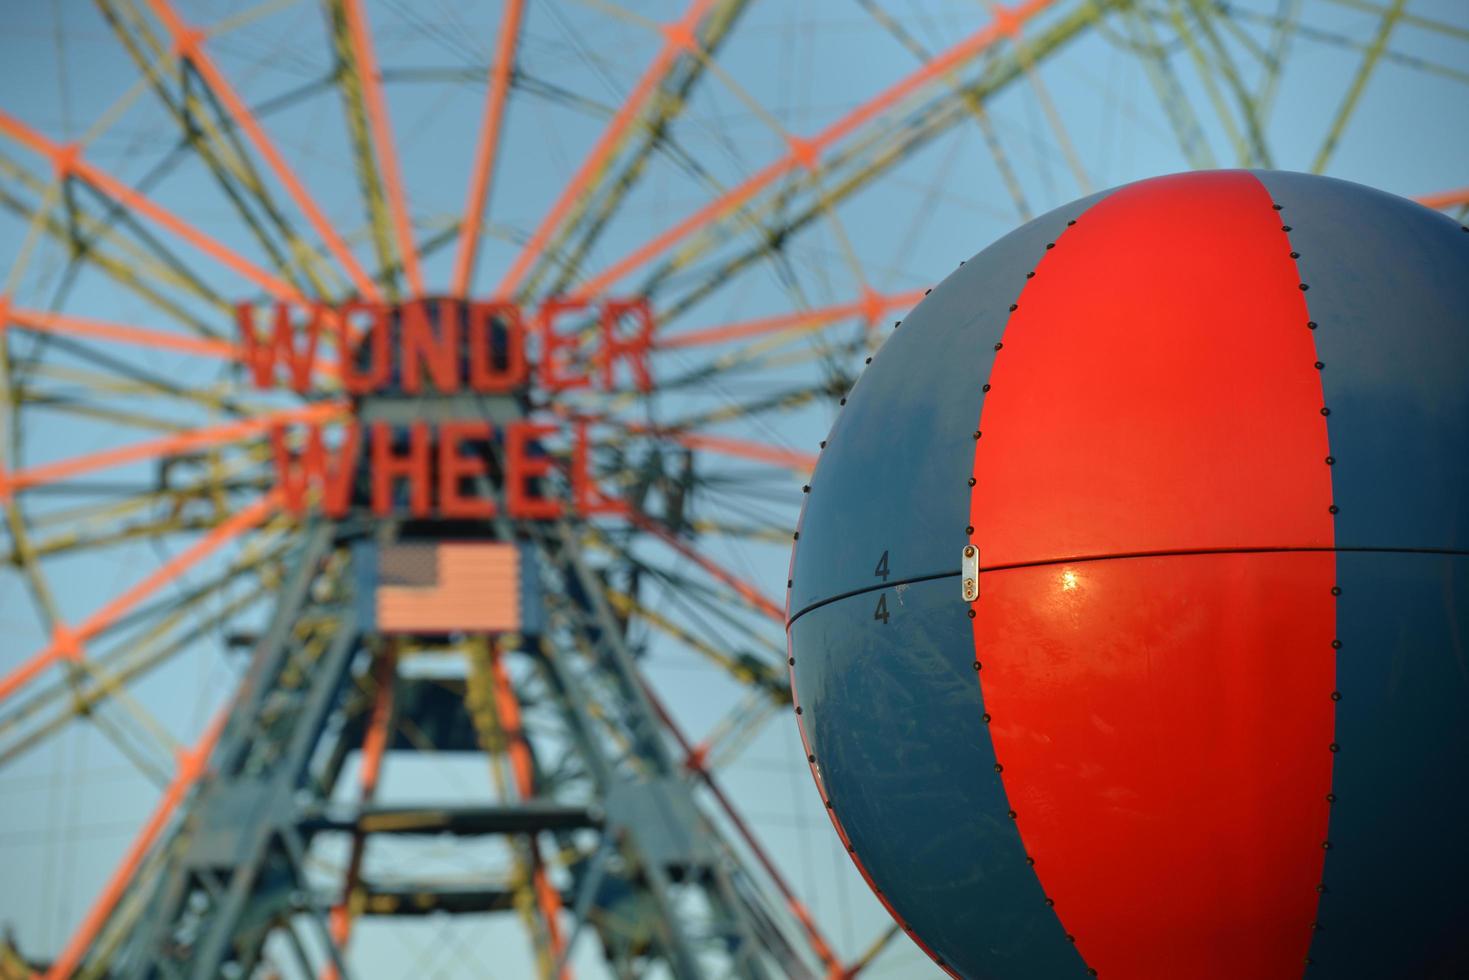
column 969, row 529
column 844, row 401
column 789, row 583
column 1030, row 860
column 1303, row 287
column 971, row 614
column 927, row 291
column 1295, row 255
column 1336, row 695
column 977, row 665
column 1320, row 365
column 1325, row 411
column 1050, row 245
column 1310, row 324
column 1014, row 307
column 984, row 387
column 1334, row 747
column 1326, row 845
column 810, row 758
column 1336, row 644
column 1030, row 275
column 1285, row 227
column 985, row 717
column 897, row 324
column 828, row 804
column 1330, row 797
column 1070, row 938
column 999, row 346
column 1332, row 509
column 1320, row 889
column 971, row 481
column 1331, row 461
column 976, row 433
column 851, row 849
column 1336, row 590
column 1073, row 221
column 806, row 488
column 999, row 768
column 1275, row 206
column 791, row 661
column 1011, row 814
column 798, row 709
column 823, row 444
column 1050, row 903
column 869, row 360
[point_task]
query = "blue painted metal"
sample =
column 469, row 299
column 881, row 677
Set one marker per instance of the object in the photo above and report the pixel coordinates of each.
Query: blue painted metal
column 1395, row 903
column 909, row 422
column 893, row 715
column 1389, row 292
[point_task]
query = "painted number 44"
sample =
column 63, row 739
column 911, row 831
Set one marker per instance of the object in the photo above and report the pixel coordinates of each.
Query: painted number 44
column 881, row 613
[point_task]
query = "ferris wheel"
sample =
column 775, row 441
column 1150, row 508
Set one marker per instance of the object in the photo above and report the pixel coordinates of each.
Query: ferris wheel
column 408, row 408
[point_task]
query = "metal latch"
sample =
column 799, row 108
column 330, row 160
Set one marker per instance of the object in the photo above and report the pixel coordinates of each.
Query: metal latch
column 969, row 572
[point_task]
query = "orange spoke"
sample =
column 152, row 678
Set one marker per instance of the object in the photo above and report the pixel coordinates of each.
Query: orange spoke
column 678, row 36
column 68, row 643
column 508, row 709
column 180, row 442
column 188, row 44
column 67, row 161
column 374, row 746
column 65, row 325
column 1446, row 199
column 807, row 152
column 192, row 764
column 693, row 761
column 489, row 142
column 382, row 138
column 870, row 307
column 741, row 448
column 745, row 590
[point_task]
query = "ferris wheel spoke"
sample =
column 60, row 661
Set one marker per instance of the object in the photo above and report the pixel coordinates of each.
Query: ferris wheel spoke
column 870, row 307
column 69, row 164
column 369, row 78
column 1446, row 199
column 69, row 643
column 41, row 321
column 678, row 36
column 813, row 933
column 806, row 153
column 1256, row 149
column 191, row 766
column 599, row 208
column 751, row 595
column 188, row 43
column 1370, row 59
column 181, row 442
column 134, row 269
column 212, row 138
column 487, row 147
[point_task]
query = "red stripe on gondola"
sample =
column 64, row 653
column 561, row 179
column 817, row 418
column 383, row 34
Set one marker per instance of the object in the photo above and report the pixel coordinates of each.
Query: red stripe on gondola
column 1164, row 723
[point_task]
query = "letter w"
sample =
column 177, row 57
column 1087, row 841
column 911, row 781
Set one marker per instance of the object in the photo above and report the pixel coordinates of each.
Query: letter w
column 262, row 358
column 297, row 476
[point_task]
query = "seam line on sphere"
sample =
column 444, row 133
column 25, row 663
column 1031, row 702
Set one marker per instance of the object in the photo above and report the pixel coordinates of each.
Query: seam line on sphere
column 1166, row 553
column 871, row 588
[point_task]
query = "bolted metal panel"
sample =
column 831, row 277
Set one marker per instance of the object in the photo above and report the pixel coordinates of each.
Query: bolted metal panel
column 1389, row 299
column 909, row 423
column 1394, row 903
column 893, row 716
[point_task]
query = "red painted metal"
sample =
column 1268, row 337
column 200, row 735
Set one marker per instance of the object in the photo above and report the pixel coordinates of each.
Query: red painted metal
column 1164, row 723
